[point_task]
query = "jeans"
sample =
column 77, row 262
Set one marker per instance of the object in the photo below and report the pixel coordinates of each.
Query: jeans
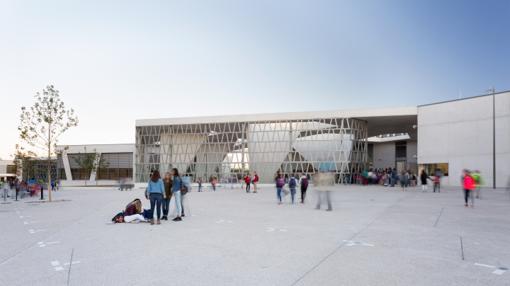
column 178, row 202
column 182, row 204
column 467, row 195
column 292, row 194
column 437, row 187
column 279, row 194
column 166, row 206
column 156, row 200
column 247, row 188
column 303, row 194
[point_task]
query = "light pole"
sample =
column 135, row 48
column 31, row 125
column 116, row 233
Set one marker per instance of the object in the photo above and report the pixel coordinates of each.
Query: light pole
column 493, row 91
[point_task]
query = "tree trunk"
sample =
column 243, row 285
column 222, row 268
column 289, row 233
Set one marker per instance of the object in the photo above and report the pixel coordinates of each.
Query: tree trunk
column 49, row 163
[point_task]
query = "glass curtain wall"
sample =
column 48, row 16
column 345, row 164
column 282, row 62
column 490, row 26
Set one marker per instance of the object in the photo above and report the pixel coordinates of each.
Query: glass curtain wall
column 228, row 151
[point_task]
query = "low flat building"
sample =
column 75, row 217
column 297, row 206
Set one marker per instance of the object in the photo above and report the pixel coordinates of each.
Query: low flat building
column 470, row 133
column 95, row 164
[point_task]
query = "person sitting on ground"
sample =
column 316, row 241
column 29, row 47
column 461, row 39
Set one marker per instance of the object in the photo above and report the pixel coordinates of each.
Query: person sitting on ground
column 132, row 213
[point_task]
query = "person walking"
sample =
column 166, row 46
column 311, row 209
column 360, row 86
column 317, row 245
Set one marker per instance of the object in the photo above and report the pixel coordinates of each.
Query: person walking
column 176, row 192
column 247, row 181
column 478, row 183
column 292, row 187
column 303, row 183
column 155, row 191
column 423, row 178
column 323, row 183
column 437, row 180
column 469, row 185
column 199, row 185
column 280, row 183
column 404, row 180
column 255, row 181
column 167, row 181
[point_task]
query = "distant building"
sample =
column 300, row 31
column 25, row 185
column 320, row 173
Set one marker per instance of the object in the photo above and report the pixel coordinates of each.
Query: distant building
column 113, row 163
column 472, row 133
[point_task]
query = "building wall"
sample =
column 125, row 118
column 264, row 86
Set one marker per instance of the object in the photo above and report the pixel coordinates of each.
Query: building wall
column 384, row 155
column 229, row 150
column 460, row 133
column 109, row 151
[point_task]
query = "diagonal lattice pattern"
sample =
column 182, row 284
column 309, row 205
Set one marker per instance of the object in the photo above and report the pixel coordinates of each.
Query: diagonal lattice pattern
column 227, row 151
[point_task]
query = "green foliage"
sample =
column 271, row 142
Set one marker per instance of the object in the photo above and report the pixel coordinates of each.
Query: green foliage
column 42, row 124
column 90, row 161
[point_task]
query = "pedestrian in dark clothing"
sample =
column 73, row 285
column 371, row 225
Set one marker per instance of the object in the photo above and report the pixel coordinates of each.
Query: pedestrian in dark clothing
column 423, row 178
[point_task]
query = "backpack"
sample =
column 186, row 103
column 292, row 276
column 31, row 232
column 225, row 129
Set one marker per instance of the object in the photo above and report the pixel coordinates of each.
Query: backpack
column 147, row 214
column 184, row 188
column 292, row 182
column 304, row 182
column 280, row 182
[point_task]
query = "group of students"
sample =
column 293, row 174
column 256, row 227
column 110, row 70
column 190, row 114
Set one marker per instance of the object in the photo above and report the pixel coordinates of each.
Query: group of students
column 159, row 192
column 292, row 183
column 248, row 181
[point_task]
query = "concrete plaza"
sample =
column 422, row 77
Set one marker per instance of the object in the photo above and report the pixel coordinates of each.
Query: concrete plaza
column 374, row 236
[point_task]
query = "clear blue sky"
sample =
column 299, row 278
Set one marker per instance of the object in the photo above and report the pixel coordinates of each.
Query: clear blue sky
column 116, row 61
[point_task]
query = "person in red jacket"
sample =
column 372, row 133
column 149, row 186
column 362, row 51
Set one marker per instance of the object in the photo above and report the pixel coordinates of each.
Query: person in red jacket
column 247, row 181
column 469, row 185
column 255, row 181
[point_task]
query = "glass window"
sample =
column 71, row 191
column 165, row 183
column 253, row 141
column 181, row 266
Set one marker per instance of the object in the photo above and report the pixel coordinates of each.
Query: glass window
column 433, row 167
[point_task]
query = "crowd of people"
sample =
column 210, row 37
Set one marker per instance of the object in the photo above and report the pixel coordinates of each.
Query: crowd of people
column 16, row 188
column 160, row 191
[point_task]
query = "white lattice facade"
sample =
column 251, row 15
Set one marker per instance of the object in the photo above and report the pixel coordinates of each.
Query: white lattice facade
column 229, row 150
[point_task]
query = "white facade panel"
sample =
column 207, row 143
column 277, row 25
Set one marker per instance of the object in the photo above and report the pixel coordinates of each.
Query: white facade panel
column 460, row 133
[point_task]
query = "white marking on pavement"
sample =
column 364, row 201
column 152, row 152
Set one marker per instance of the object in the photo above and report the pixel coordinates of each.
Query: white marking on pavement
column 74, row 262
column 32, row 231
column 353, row 243
column 44, row 244
column 269, row 229
column 55, row 263
column 499, row 271
column 59, row 268
column 485, row 265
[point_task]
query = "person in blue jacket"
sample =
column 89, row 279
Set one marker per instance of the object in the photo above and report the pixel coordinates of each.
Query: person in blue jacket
column 176, row 193
column 155, row 191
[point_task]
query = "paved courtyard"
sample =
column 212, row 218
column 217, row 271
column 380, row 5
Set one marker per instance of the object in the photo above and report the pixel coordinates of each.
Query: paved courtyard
column 374, row 236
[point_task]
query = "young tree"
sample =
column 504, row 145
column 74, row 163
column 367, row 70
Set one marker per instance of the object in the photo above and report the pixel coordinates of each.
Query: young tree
column 90, row 161
column 42, row 124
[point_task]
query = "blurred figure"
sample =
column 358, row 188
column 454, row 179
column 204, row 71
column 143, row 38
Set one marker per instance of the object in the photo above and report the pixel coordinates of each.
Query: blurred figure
column 213, row 183
column 437, row 180
column 303, row 182
column 323, row 183
column 199, row 184
column 292, row 187
column 280, row 183
column 423, row 178
column 404, row 180
column 255, row 181
column 469, row 185
column 478, row 182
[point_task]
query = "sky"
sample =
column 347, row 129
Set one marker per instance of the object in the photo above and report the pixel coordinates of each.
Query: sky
column 118, row 61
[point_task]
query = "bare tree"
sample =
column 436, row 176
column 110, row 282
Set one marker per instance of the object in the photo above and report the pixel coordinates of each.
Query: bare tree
column 42, row 124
